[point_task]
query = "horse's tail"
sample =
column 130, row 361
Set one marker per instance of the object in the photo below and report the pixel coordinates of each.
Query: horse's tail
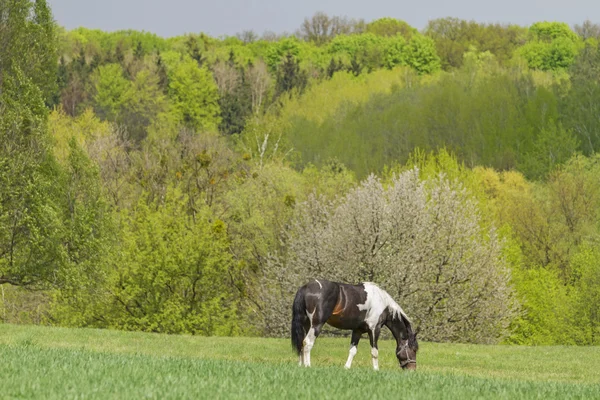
column 298, row 317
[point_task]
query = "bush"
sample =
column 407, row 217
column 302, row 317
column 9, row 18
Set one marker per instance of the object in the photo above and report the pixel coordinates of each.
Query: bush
column 422, row 241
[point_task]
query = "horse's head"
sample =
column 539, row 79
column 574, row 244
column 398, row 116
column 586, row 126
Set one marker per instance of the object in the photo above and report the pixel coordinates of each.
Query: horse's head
column 406, row 352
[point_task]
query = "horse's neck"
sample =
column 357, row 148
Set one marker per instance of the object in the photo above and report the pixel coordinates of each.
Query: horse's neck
column 397, row 327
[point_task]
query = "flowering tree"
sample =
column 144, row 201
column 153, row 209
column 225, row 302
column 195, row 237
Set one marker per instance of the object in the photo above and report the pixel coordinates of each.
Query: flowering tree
column 422, row 241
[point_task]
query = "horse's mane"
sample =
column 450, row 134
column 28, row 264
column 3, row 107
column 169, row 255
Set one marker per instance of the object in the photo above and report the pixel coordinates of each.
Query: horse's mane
column 398, row 313
column 412, row 337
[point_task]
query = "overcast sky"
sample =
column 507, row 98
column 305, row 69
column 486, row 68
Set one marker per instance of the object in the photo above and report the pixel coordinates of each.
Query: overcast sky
column 227, row 17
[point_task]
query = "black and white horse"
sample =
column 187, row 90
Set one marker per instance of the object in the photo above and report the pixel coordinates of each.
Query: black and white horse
column 360, row 308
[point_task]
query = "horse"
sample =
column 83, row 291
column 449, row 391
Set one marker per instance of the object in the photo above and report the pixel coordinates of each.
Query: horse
column 361, row 308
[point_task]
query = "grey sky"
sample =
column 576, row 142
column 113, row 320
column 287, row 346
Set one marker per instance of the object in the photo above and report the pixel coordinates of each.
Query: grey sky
column 227, row 17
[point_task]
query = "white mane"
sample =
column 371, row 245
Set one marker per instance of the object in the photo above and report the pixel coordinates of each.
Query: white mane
column 381, row 297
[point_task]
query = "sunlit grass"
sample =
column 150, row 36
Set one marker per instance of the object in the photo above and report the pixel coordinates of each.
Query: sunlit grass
column 40, row 362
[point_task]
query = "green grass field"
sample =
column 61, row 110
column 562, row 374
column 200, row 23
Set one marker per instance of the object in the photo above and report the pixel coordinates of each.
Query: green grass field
column 59, row 363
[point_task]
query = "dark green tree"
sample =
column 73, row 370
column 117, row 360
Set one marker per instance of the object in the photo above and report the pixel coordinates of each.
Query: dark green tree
column 236, row 106
column 290, row 76
column 333, row 67
column 355, row 67
column 161, row 71
column 581, row 106
column 194, row 50
column 138, row 53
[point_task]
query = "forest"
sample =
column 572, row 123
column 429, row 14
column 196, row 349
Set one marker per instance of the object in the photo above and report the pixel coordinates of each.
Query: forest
column 190, row 184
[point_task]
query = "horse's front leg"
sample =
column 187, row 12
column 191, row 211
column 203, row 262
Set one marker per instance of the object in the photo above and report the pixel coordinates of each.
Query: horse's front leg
column 373, row 338
column 353, row 343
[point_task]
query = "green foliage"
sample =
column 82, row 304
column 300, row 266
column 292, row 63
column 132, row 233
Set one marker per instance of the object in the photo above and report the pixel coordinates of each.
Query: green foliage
column 553, row 146
column 586, row 268
column 277, row 52
column 453, row 37
column 580, row 104
column 548, row 31
column 194, row 95
column 548, row 310
column 391, row 27
column 143, row 104
column 28, row 44
column 290, row 77
column 484, row 116
column 422, row 55
column 553, row 46
column 111, row 87
column 174, row 274
column 30, row 220
column 367, row 49
column 95, row 41
column 88, row 242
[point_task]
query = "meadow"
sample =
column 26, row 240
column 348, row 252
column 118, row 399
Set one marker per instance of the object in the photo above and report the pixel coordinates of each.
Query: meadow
column 61, row 363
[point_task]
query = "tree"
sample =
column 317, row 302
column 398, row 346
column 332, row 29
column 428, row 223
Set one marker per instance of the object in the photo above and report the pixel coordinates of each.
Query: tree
column 290, row 76
column 193, row 50
column 235, row 95
column 175, row 274
column 76, row 92
column 453, row 37
column 88, row 242
column 111, row 87
column 30, row 218
column 142, row 103
column 28, row 44
column 422, row 55
column 552, row 46
column 321, row 28
column 586, row 264
column 247, row 36
column 260, row 82
column 553, row 146
column 587, row 30
column 194, row 95
column 580, row 108
column 391, row 27
column 333, row 67
column 423, row 241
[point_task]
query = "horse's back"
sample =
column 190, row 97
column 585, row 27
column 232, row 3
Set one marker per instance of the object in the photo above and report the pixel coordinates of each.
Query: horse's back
column 320, row 294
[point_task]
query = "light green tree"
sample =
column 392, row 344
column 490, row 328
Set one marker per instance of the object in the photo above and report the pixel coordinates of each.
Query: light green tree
column 175, row 274
column 111, row 88
column 391, row 27
column 194, row 95
column 552, row 46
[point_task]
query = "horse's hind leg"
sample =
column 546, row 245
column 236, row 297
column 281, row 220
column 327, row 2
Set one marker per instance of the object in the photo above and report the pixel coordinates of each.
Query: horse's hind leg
column 321, row 300
column 315, row 329
column 310, row 338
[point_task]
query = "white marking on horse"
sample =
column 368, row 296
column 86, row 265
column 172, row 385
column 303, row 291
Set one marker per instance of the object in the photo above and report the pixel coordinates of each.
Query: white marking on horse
column 320, row 286
column 309, row 340
column 351, row 355
column 378, row 300
column 375, row 357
